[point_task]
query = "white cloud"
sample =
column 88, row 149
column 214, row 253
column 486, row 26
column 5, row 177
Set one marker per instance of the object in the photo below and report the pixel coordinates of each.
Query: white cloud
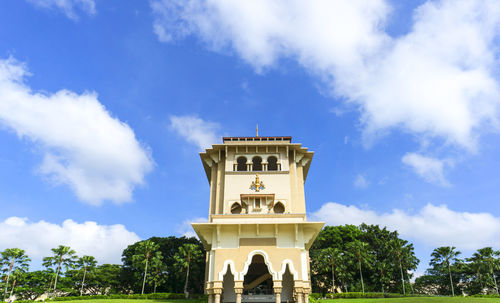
column 105, row 242
column 432, row 225
column 84, row 147
column 69, row 7
column 185, row 229
column 360, row 181
column 430, row 169
column 195, row 130
column 438, row 80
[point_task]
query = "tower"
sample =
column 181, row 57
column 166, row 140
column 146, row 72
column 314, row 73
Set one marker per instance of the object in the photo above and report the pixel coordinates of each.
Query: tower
column 257, row 237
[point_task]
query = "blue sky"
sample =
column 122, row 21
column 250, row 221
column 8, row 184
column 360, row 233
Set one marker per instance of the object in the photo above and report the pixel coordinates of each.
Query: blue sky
column 104, row 107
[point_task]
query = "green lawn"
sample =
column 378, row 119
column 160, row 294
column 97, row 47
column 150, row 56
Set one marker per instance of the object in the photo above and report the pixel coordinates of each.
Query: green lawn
column 130, row 301
column 417, row 300
column 392, row 300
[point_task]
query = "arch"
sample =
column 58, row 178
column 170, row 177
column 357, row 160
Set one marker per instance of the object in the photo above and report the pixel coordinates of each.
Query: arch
column 257, row 163
column 266, row 261
column 236, row 208
column 272, row 163
column 279, row 208
column 290, row 267
column 241, row 164
column 228, row 264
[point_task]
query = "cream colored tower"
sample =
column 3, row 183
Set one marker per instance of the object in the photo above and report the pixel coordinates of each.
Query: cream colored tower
column 257, row 238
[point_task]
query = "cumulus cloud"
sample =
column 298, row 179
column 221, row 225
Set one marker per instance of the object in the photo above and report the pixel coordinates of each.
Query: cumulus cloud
column 70, row 8
column 430, row 169
column 360, row 181
column 432, row 225
column 105, row 242
column 437, row 80
column 185, row 229
column 83, row 146
column 195, row 130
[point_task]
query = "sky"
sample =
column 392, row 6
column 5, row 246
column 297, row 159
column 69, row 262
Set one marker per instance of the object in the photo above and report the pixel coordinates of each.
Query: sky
column 105, row 105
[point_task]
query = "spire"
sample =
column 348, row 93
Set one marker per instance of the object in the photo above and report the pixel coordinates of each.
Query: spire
column 257, row 130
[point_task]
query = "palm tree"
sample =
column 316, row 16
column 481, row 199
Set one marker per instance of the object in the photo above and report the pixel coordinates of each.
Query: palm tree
column 444, row 256
column 63, row 255
column 16, row 275
column 359, row 250
column 490, row 259
column 146, row 251
column 13, row 258
column 158, row 276
column 87, row 262
column 187, row 252
column 330, row 257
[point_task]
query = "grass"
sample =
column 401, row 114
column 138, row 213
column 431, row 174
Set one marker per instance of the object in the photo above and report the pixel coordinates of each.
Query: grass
column 381, row 300
column 131, row 301
column 417, row 300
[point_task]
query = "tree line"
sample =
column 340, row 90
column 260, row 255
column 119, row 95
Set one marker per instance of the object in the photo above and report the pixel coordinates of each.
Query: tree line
column 346, row 258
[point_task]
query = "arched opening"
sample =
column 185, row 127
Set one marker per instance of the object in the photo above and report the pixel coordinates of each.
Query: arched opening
column 258, row 281
column 241, row 164
column 287, row 283
column 228, row 294
column 257, row 163
column 279, row 208
column 236, row 208
column 272, row 163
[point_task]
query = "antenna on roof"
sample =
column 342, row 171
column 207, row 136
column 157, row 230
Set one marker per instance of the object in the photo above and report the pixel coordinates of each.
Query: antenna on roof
column 257, row 129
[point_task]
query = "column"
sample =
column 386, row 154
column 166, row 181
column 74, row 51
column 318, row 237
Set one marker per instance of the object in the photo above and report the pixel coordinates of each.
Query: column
column 299, row 297
column 277, row 290
column 217, row 298
column 238, row 292
column 211, row 298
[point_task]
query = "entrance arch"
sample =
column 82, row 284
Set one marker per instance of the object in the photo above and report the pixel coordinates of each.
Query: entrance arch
column 258, row 279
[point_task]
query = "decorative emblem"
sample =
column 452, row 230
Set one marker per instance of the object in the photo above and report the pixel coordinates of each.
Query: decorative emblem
column 257, row 185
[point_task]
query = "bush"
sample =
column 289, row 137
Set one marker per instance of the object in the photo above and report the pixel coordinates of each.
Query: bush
column 485, row 296
column 352, row 295
column 155, row 296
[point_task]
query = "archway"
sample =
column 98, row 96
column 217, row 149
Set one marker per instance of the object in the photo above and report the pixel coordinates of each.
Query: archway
column 258, row 281
column 287, row 284
column 228, row 293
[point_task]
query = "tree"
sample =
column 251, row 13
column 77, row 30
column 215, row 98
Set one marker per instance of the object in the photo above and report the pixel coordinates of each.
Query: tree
column 186, row 253
column 158, row 275
column 172, row 276
column 360, row 251
column 443, row 257
column 13, row 259
column 63, row 256
column 489, row 258
column 329, row 257
column 146, row 251
column 86, row 262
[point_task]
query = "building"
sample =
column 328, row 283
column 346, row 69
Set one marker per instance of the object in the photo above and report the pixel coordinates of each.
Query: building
column 257, row 237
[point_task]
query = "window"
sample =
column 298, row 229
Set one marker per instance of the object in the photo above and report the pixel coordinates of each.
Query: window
column 236, row 208
column 257, row 203
column 257, row 163
column 279, row 208
column 242, row 164
column 272, row 163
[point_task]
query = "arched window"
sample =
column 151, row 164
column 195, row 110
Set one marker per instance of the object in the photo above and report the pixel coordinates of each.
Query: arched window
column 242, row 164
column 236, row 208
column 272, row 163
column 279, row 208
column 257, row 163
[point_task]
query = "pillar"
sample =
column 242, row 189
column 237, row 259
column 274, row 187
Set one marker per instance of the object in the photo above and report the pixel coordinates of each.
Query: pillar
column 277, row 290
column 211, row 298
column 238, row 289
column 299, row 297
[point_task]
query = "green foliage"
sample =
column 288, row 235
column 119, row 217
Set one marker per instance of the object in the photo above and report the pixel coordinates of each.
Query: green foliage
column 370, row 246
column 173, row 279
